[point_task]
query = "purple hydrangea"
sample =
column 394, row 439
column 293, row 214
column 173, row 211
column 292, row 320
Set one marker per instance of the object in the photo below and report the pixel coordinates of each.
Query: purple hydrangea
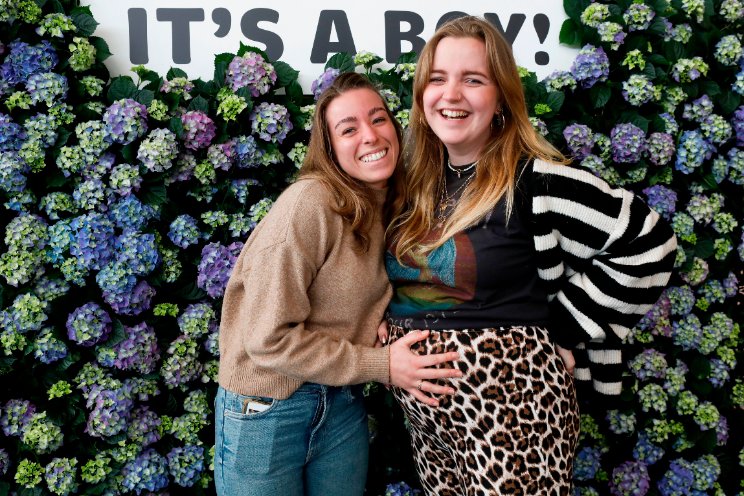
column 250, row 71
column 630, row 479
column 699, row 109
column 59, row 475
column 4, row 461
column 110, row 410
column 678, row 480
column 197, row 320
column 579, row 139
column 649, row 364
column 16, row 414
column 198, row 128
column 184, row 231
column 628, row 143
column 92, row 239
column 215, row 267
column 590, row 66
column 657, row 319
column 324, row 81
column 182, row 364
column 88, row 325
column 12, row 135
column 271, row 122
column 138, row 351
column 126, row 120
column 122, row 292
column 186, row 464
column 692, row 151
column 25, row 60
column 660, row 148
column 245, row 152
column 144, row 426
column 222, row 156
column 147, row 472
column 49, row 349
column 661, row 199
column 738, row 125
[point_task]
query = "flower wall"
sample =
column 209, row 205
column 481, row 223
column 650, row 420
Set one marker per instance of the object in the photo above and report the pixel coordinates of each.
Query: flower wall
column 125, row 202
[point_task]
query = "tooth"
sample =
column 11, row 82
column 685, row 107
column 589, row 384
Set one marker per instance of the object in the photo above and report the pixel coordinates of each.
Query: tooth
column 374, row 156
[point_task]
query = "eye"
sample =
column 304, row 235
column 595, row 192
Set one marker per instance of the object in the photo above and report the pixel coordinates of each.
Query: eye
column 473, row 81
column 347, row 131
column 380, row 119
column 436, row 80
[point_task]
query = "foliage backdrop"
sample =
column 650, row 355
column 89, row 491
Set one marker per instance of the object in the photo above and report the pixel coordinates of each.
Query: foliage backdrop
column 125, row 202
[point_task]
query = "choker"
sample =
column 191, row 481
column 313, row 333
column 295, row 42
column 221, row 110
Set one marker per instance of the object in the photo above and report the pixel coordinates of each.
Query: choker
column 460, row 170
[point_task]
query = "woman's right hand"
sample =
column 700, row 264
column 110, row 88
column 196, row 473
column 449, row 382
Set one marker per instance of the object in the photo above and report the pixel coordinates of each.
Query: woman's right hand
column 415, row 373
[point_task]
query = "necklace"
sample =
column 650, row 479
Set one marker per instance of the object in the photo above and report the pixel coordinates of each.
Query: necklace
column 460, row 170
column 446, row 201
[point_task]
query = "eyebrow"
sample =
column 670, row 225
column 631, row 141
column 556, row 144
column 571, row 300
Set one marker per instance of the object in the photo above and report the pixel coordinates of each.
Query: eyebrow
column 467, row 73
column 371, row 112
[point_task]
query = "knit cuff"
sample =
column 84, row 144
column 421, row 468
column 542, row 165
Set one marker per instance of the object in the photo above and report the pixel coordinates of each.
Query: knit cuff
column 564, row 329
column 375, row 364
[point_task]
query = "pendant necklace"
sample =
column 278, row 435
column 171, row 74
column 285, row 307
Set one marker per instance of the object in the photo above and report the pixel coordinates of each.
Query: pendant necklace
column 460, row 170
column 447, row 201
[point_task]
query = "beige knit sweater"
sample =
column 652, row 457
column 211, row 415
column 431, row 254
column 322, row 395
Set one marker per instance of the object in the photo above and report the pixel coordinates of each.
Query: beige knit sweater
column 301, row 304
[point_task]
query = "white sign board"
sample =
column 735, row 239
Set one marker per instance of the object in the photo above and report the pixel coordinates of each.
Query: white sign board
column 187, row 34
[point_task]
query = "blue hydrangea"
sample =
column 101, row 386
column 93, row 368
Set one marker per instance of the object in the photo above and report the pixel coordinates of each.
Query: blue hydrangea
column 678, row 480
column 647, row 452
column 737, row 124
column 60, row 474
column 662, row 199
column 88, row 325
column 46, row 87
column 687, row 332
column 137, row 253
column 184, row 231
column 12, row 172
column 649, row 364
column 49, row 349
column 129, row 213
column 590, row 66
column 92, row 239
column 121, row 290
column 126, row 120
column 587, row 463
column 682, row 300
column 692, row 151
column 12, row 135
column 26, row 313
column 25, row 60
column 186, row 464
column 215, row 267
column 241, row 187
column 147, row 472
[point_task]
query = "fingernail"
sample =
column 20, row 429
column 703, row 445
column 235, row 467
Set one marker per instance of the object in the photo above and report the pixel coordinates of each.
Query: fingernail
column 384, row 340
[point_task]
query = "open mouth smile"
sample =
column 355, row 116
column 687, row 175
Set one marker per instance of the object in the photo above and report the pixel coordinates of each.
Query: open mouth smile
column 371, row 157
column 454, row 114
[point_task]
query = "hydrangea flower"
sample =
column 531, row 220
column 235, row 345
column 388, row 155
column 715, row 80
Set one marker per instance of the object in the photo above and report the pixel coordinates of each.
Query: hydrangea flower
column 138, row 351
column 29, row 474
column 638, row 89
column 12, row 135
column 56, row 25
column 678, row 480
column 184, row 231
column 638, row 17
column 125, row 179
column 630, row 479
column 729, row 50
column 590, row 66
column 692, row 151
column 230, row 105
column 199, row 129
column 628, row 143
column 661, row 199
column 587, row 463
column 92, row 239
column 125, row 120
column 250, row 71
column 688, row 70
column 147, row 472
column 271, row 122
column 144, row 426
column 579, row 139
column 42, row 435
column 732, row 10
column 182, row 364
column 60, row 475
column 47, row 348
column 178, row 86
column 109, row 410
column 594, row 14
column 186, row 464
column 324, row 81
column 197, row 320
column 16, row 414
column 647, row 452
column 215, row 267
column 612, row 33
column 88, row 325
column 25, row 60
column 130, row 214
column 82, row 54
column 159, row 149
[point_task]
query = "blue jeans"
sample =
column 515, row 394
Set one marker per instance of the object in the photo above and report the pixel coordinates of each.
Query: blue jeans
column 313, row 443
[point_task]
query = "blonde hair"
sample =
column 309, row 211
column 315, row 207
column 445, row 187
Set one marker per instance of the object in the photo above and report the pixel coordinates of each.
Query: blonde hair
column 498, row 163
column 353, row 199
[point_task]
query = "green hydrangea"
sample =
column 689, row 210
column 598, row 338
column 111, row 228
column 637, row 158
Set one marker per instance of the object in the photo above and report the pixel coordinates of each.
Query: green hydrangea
column 42, row 435
column 56, row 25
column 59, row 389
column 19, row 99
column 165, row 310
column 230, row 105
column 297, row 154
column 29, row 474
column 158, row 110
column 82, row 54
column 96, row 470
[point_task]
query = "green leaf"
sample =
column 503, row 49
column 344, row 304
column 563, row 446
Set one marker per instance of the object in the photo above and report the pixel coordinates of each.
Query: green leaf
column 294, row 91
column 129, row 153
column 248, row 48
column 175, row 72
column 600, row 95
column 121, row 87
column 190, row 292
column 102, row 48
column 555, row 100
column 574, row 8
column 729, row 101
column 56, row 180
column 155, row 194
column 199, row 103
column 84, row 21
column 221, row 62
column 570, row 33
column 710, row 88
column 342, row 61
column 285, row 75
column 145, row 97
column 176, row 126
column 704, row 248
column 636, row 119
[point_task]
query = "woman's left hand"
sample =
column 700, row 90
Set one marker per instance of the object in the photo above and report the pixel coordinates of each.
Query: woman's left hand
column 567, row 357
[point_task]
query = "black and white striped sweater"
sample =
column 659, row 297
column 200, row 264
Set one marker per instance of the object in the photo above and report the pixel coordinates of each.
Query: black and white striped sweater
column 605, row 257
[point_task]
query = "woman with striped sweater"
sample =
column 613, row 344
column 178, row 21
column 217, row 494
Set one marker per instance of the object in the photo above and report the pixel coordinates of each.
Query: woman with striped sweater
column 514, row 259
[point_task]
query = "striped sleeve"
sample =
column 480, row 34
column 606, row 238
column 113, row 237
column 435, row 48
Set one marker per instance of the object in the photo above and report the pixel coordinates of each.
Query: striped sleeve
column 603, row 253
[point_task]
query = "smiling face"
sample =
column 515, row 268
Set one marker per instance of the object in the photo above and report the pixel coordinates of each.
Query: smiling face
column 460, row 98
column 363, row 137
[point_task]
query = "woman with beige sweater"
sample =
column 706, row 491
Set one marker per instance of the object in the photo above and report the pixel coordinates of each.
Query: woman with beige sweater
column 301, row 313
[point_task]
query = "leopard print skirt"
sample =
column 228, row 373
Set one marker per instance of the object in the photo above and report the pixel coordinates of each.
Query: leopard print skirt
column 512, row 426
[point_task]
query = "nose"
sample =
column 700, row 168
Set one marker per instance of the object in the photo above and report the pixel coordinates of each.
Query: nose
column 369, row 134
column 452, row 91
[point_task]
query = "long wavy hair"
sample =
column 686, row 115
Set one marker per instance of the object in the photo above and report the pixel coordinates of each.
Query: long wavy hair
column 498, row 163
column 353, row 199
